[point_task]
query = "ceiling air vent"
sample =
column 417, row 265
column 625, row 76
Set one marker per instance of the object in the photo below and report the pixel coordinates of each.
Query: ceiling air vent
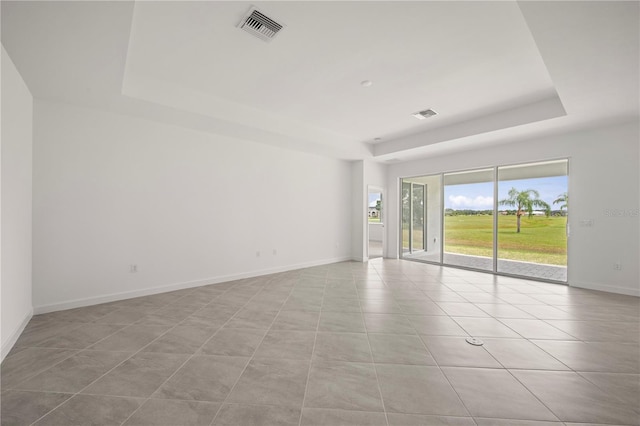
column 421, row 115
column 260, row 25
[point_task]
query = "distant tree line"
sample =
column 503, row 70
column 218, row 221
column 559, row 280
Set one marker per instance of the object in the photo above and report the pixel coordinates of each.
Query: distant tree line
column 467, row 212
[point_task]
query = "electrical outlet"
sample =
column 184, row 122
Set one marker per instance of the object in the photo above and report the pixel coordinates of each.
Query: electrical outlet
column 133, row 268
column 275, row 252
column 257, row 254
column 617, row 266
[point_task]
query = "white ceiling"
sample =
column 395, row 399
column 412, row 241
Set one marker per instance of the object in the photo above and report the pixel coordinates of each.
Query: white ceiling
column 496, row 72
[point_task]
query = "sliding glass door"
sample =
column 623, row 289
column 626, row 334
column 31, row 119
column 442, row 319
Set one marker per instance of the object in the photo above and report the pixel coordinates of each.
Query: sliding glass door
column 468, row 219
column 413, row 216
column 533, row 205
column 508, row 219
column 421, row 201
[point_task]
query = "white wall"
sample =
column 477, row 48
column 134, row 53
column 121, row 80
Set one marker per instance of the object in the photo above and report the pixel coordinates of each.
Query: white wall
column 603, row 176
column 16, row 168
column 186, row 207
column 358, row 207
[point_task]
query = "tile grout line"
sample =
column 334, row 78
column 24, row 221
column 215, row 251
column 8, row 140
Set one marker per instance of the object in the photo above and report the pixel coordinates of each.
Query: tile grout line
column 443, row 373
column 116, row 366
column 78, row 351
column 504, row 368
column 190, row 356
column 254, row 351
column 401, row 286
column 315, row 339
column 373, row 363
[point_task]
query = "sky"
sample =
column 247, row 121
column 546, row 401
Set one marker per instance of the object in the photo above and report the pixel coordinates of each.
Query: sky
column 479, row 196
column 373, row 199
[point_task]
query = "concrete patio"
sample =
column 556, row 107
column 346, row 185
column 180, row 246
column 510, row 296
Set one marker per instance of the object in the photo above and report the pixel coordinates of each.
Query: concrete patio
column 513, row 267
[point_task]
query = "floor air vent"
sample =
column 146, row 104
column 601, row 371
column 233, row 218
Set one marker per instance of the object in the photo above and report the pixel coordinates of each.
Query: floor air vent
column 260, row 25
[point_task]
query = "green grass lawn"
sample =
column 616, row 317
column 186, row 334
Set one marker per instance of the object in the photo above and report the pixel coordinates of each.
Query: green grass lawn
column 541, row 239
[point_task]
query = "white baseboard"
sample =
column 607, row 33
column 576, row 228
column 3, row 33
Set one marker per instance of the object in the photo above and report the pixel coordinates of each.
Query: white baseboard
column 608, row 288
column 8, row 345
column 89, row 301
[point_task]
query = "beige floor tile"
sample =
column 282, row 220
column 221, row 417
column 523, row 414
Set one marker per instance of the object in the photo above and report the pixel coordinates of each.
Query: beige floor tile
column 171, row 412
column 625, row 387
column 436, row 326
column 336, row 304
column 521, row 354
column 388, row 323
column 183, row 339
column 38, row 331
column 296, row 320
column 76, row 372
column 233, row 342
column 345, row 340
column 341, row 322
column 81, row 337
column 485, row 327
column 535, row 329
column 256, row 415
column 326, row 417
column 25, row 407
column 246, row 318
column 343, row 385
column 600, row 331
column 399, row 349
column 544, row 312
column 353, row 347
column 91, row 409
column 203, row 378
column 272, row 382
column 29, row 362
column 512, row 422
column 502, row 310
column 594, row 356
column 420, row 307
column 139, row 376
column 396, row 419
column 131, row 338
column 495, row 393
column 286, row 344
column 380, row 306
column 414, row 389
column 456, row 352
column 574, row 399
column 466, row 309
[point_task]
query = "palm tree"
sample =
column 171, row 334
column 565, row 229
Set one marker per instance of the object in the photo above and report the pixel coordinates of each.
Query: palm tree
column 523, row 201
column 563, row 198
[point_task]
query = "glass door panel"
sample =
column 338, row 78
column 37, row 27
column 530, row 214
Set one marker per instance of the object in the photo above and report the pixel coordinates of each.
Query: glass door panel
column 417, row 216
column 532, row 220
column 421, row 212
column 406, row 217
column 468, row 219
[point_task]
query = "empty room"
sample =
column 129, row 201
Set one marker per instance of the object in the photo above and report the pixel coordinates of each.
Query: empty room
column 320, row 213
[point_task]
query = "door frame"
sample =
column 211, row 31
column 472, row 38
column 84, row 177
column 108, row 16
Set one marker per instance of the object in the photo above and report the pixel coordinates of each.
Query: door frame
column 372, row 189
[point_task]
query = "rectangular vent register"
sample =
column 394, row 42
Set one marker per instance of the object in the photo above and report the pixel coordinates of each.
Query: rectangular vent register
column 260, row 25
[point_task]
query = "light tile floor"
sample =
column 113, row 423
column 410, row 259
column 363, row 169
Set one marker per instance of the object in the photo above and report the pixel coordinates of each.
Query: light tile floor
column 381, row 343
